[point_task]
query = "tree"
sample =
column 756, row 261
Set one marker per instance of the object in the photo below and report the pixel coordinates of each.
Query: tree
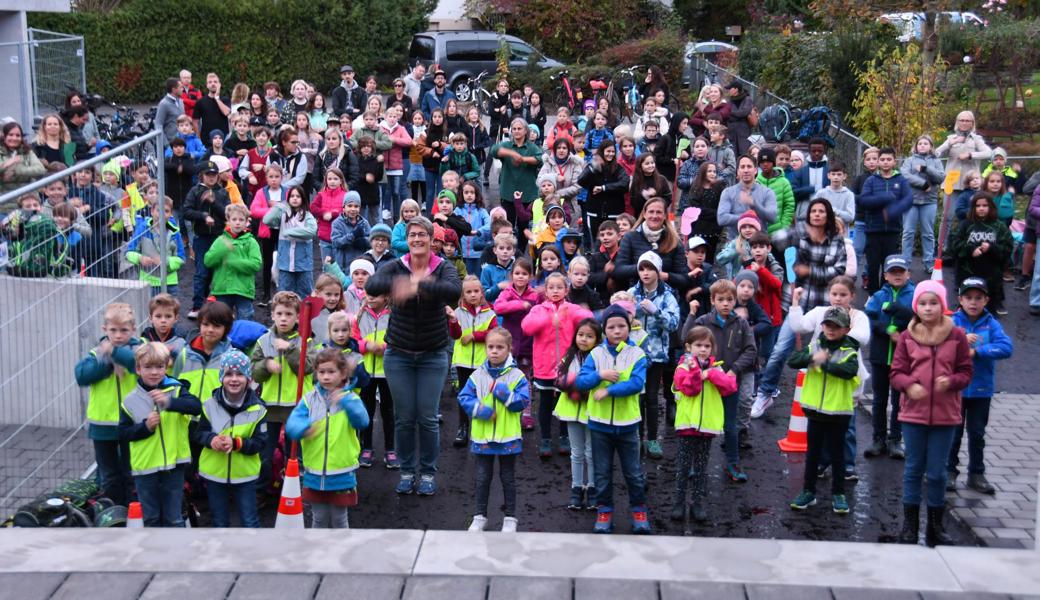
column 1008, row 51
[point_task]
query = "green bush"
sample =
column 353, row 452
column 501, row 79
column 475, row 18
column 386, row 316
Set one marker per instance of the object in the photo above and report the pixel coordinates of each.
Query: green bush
column 665, row 48
column 132, row 50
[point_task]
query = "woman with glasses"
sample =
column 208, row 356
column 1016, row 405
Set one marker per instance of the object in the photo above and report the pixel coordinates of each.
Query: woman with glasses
column 400, row 97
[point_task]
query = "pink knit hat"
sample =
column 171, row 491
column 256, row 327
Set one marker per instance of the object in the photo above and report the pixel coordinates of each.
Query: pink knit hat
column 749, row 218
column 498, row 213
column 930, row 287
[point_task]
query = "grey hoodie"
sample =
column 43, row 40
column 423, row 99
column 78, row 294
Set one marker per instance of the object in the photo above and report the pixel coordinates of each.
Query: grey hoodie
column 931, row 177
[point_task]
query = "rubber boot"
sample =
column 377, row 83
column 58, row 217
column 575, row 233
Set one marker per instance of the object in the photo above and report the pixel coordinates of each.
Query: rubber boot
column 911, row 524
column 935, row 533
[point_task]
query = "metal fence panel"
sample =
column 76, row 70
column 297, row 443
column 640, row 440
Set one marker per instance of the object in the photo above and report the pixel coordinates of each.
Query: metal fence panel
column 51, row 313
column 57, row 64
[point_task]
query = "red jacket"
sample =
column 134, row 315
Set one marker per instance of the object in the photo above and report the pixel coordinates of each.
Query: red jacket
column 770, row 290
column 551, row 340
column 327, row 201
column 921, row 356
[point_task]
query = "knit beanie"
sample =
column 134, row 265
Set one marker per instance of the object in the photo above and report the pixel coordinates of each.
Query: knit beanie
column 450, row 237
column 450, row 195
column 361, row 264
column 234, row 360
column 749, row 218
column 746, row 275
column 615, row 310
column 930, row 287
column 351, row 197
column 380, row 230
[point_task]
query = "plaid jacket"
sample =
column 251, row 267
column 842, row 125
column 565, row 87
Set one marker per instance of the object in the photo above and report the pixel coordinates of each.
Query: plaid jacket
column 826, row 261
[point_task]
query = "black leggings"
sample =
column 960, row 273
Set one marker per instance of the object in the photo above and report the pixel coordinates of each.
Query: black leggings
column 693, row 452
column 464, row 375
column 506, row 473
column 828, row 434
column 386, row 413
column 267, row 248
column 546, row 405
column 649, row 405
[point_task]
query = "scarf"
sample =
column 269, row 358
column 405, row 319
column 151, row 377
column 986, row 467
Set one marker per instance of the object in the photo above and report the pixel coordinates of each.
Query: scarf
column 651, row 235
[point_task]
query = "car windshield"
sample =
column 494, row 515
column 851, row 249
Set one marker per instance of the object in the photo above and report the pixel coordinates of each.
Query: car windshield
column 421, row 48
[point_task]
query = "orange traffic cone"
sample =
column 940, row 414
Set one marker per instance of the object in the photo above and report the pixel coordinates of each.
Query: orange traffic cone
column 290, row 507
column 134, row 520
column 796, row 440
column 937, row 275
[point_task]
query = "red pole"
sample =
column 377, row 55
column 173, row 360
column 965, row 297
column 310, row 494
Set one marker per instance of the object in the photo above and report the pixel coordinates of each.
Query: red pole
column 305, row 334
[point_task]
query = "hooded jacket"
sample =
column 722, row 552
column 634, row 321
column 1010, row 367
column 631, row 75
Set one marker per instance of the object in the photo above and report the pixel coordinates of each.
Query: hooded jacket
column 884, row 200
column 992, row 345
column 234, row 261
column 924, row 354
column 349, row 240
column 733, row 337
column 633, row 245
column 326, row 201
column 551, row 340
column 196, row 211
column 419, row 325
column 401, row 143
column 295, row 238
column 925, row 174
column 890, row 311
column 145, row 242
column 784, row 199
column 509, row 306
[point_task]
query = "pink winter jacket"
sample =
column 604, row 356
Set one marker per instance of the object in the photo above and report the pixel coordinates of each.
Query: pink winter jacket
column 551, row 341
column 402, row 144
column 327, row 201
column 509, row 306
column 922, row 355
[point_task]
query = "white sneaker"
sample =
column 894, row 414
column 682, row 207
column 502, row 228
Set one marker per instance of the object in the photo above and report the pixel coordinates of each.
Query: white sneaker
column 762, row 402
column 387, row 215
column 478, row 524
column 509, row 525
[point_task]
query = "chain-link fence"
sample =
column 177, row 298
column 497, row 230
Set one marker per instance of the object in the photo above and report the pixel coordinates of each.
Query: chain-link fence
column 58, row 64
column 73, row 242
column 847, row 146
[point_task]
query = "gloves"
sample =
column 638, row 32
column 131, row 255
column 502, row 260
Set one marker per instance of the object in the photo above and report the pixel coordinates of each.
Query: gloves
column 483, row 412
column 648, row 306
column 501, row 392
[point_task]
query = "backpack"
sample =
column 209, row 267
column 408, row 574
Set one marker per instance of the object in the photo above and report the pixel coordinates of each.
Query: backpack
column 38, row 253
column 775, row 122
column 817, row 123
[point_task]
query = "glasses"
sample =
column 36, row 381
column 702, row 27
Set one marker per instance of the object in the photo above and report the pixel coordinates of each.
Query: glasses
column 417, row 235
column 397, row 85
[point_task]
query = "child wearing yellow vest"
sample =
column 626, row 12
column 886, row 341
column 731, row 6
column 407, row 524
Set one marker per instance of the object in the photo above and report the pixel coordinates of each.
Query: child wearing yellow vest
column 326, row 422
column 700, row 384
column 369, row 332
column 154, row 419
column 614, row 375
column 468, row 325
column 832, row 361
column 572, row 408
column 232, row 432
column 494, row 396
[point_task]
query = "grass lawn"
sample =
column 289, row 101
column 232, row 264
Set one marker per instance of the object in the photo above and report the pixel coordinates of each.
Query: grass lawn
column 1032, row 103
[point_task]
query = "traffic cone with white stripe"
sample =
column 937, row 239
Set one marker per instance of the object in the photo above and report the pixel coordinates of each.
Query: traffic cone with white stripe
column 796, row 440
column 134, row 520
column 290, row 506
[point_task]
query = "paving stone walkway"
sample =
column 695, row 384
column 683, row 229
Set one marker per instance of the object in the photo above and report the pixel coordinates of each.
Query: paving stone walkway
column 56, row 455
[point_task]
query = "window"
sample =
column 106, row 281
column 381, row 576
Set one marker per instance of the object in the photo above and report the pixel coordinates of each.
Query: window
column 421, row 48
column 468, row 51
column 520, row 51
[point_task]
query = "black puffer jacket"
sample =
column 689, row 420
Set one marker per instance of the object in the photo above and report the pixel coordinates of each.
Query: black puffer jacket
column 420, row 324
column 633, row 245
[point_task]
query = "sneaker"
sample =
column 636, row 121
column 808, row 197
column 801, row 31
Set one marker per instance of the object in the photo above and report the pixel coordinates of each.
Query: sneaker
column 193, row 314
column 577, row 498
column 263, row 304
column 365, row 460
column 545, row 449
column 392, row 462
column 565, row 446
column 978, row 482
column 509, row 525
column 427, row 486
column 823, row 471
column 840, row 505
column 895, row 450
column 653, row 449
column 951, row 481
column 775, row 394
column 1008, row 277
column 850, row 475
column 804, row 500
column 590, row 498
column 604, row 521
column 876, row 449
column 762, row 402
column 1022, row 284
column 866, row 282
column 640, row 521
column 698, row 512
column 478, row 524
column 387, row 215
column 460, row 438
column 406, row 485
column 1002, row 310
column 735, row 473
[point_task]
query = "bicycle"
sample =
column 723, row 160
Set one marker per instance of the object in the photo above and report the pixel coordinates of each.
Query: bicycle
column 632, row 107
column 566, row 95
column 473, row 90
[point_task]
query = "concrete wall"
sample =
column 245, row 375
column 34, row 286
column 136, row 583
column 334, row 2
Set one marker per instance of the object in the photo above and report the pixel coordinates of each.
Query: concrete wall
column 47, row 326
column 15, row 94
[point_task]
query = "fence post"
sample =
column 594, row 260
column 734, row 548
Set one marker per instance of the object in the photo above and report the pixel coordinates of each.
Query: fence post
column 160, row 177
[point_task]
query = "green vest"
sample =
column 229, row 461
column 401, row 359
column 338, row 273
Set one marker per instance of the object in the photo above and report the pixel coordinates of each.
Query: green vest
column 334, row 447
column 203, row 376
column 702, row 412
column 233, row 467
column 473, row 354
column 638, row 335
column 573, row 410
column 106, row 396
column 167, row 447
column 825, row 393
column 505, row 425
column 280, row 389
column 615, row 411
column 373, row 329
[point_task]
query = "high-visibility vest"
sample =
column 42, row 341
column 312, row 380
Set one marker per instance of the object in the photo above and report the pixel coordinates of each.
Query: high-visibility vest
column 334, row 447
column 505, row 425
column 202, row 375
column 168, row 446
column 232, row 467
column 473, row 354
column 701, row 412
column 826, row 393
column 106, row 396
column 373, row 329
column 617, row 411
column 573, row 410
column 280, row 389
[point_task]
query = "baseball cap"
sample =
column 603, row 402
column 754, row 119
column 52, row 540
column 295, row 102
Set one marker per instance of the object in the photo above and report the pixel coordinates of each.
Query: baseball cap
column 346, row 69
column 440, row 72
column 837, row 315
column 695, row 242
column 650, row 257
column 767, row 154
column 209, row 167
column 895, row 261
column 222, row 162
column 973, row 283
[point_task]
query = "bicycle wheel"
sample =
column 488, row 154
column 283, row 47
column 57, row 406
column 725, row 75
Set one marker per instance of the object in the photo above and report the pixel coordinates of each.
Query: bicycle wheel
column 560, row 98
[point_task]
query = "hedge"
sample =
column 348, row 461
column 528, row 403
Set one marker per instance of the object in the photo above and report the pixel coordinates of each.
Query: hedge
column 131, row 51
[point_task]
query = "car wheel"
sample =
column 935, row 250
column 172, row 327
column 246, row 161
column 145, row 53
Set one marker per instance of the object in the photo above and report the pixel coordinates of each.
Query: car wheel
column 462, row 90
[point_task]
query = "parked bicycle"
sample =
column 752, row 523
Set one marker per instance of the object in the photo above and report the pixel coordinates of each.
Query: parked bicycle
column 567, row 95
column 473, row 91
column 632, row 106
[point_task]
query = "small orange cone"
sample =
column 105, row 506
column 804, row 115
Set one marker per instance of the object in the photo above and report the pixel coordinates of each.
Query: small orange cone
column 290, row 507
column 134, row 520
column 937, row 275
column 796, row 440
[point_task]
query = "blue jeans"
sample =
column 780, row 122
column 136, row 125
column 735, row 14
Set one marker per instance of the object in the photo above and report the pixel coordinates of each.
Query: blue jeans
column 242, row 306
column 416, row 381
column 782, row 348
column 765, row 351
column 604, row 445
column 581, row 454
column 220, row 503
column 927, row 448
column 202, row 277
column 859, row 245
column 113, row 470
column 392, row 194
column 170, row 289
column 1034, row 288
column 731, row 427
column 976, row 416
column 160, row 495
column 923, row 215
column 298, row 281
column 326, row 250
column 433, row 187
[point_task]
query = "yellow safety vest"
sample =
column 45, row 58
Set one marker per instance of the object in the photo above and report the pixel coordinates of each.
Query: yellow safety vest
column 826, row 393
column 505, row 425
column 280, row 389
column 168, row 446
column 573, row 410
column 473, row 354
column 702, row 412
column 373, row 329
column 106, row 396
column 334, row 447
column 616, row 411
column 232, row 467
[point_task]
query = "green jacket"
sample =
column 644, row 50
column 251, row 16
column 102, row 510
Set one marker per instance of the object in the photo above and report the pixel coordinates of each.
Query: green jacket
column 513, row 178
column 235, row 261
column 784, row 199
column 27, row 170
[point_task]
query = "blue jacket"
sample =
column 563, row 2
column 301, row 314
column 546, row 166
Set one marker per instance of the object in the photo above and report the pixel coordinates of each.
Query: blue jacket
column 431, row 101
column 993, row 344
column 521, row 399
column 480, row 222
column 349, row 241
column 193, row 147
column 593, row 138
column 799, row 178
column 300, row 421
column 962, row 202
column 493, row 274
column 887, row 308
column 588, row 378
column 884, row 201
column 660, row 323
